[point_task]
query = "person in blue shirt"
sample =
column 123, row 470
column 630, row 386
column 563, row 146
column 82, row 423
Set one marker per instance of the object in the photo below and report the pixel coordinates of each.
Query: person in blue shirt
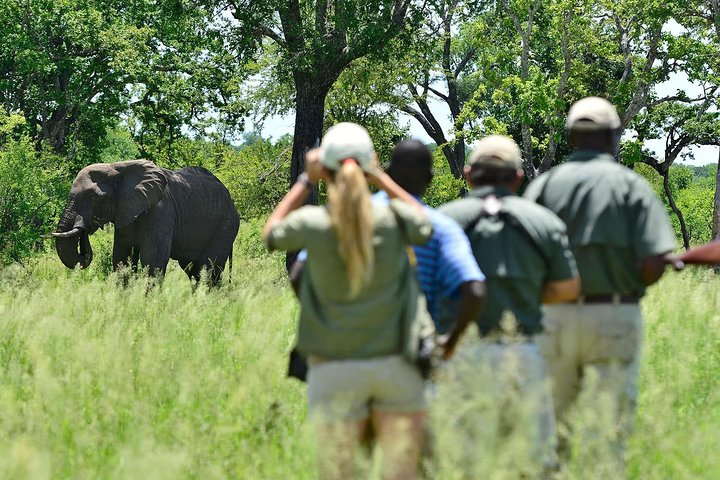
column 446, row 266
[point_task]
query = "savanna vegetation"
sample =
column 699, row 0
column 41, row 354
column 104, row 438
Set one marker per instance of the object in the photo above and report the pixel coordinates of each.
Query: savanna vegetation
column 104, row 381
column 103, row 377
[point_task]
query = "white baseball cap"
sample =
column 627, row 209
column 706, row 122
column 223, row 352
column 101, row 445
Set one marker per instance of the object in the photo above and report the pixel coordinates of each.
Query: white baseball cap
column 592, row 113
column 343, row 141
column 496, row 151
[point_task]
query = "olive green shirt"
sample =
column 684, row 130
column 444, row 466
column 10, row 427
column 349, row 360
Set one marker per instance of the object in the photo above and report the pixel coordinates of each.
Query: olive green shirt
column 517, row 261
column 333, row 325
column 613, row 217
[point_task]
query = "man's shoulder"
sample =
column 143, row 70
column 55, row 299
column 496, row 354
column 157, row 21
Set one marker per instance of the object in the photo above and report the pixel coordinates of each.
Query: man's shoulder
column 533, row 213
column 459, row 207
column 444, row 226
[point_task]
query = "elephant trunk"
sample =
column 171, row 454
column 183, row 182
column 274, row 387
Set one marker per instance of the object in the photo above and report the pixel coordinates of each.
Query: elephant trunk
column 72, row 241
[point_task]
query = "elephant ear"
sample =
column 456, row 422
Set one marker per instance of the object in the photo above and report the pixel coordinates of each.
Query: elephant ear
column 141, row 185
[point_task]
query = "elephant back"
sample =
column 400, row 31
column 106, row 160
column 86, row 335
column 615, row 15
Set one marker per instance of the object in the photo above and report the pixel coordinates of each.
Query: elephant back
column 199, row 196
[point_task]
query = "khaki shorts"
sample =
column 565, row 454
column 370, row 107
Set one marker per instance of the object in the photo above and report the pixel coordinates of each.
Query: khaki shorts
column 349, row 390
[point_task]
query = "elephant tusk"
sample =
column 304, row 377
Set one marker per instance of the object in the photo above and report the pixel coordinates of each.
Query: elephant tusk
column 75, row 231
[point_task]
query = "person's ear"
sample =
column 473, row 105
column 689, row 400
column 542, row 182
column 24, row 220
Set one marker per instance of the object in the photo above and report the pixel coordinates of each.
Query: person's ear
column 517, row 181
column 570, row 138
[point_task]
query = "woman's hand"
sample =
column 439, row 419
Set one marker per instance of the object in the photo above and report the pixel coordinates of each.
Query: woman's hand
column 375, row 175
column 314, row 168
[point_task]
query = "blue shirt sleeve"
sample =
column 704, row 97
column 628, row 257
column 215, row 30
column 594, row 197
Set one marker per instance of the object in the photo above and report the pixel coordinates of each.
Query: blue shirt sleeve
column 456, row 262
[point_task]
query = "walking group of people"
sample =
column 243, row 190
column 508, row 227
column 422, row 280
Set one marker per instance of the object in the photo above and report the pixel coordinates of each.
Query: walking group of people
column 552, row 281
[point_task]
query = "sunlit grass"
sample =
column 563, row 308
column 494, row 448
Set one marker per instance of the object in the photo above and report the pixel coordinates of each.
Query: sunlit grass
column 102, row 380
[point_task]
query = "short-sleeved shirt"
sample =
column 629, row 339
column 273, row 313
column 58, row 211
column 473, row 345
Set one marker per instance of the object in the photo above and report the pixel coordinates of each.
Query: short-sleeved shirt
column 444, row 263
column 332, row 324
column 519, row 251
column 613, row 217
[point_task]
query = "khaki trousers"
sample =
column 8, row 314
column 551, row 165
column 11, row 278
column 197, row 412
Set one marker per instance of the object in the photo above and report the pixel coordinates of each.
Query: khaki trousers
column 601, row 342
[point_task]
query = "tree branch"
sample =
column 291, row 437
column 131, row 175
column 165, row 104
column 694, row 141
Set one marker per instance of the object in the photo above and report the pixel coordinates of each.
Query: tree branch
column 463, row 63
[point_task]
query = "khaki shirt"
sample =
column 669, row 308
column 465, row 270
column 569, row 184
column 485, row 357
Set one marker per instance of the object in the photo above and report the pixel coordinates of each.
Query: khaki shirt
column 333, row 325
column 613, row 217
column 516, row 262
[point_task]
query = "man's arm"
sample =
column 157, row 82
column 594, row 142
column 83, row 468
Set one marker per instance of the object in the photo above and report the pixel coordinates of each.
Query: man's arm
column 295, row 276
column 706, row 254
column 472, row 298
column 561, row 291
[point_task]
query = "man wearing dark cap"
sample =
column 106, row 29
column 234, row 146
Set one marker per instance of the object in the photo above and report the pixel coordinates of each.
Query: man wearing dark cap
column 619, row 232
column 523, row 251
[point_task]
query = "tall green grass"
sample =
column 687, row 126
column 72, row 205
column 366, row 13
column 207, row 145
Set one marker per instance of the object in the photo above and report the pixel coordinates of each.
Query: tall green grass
column 99, row 379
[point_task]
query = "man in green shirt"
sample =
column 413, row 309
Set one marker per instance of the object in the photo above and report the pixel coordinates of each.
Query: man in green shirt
column 523, row 250
column 619, row 232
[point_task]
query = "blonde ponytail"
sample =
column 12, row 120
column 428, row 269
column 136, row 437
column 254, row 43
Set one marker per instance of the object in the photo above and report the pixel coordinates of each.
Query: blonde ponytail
column 352, row 220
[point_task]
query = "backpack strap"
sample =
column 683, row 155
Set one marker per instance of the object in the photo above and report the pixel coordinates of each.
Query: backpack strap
column 402, row 227
column 493, row 207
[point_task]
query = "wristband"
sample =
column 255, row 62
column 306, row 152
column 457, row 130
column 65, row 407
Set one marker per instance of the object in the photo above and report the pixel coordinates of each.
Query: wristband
column 304, row 180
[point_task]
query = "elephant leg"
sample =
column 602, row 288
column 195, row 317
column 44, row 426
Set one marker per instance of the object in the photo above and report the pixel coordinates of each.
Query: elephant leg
column 154, row 254
column 135, row 259
column 215, row 258
column 153, row 231
column 122, row 252
column 189, row 269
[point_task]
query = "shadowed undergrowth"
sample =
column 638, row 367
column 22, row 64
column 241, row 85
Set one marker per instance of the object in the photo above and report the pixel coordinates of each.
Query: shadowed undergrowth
column 100, row 380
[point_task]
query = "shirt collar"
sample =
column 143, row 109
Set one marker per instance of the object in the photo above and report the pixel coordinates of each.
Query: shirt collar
column 586, row 155
column 382, row 195
column 486, row 190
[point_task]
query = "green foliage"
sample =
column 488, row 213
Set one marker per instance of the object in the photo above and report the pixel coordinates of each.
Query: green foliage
column 105, row 381
column 696, row 203
column 31, row 189
column 257, row 175
column 119, row 145
column 444, row 187
column 351, row 100
column 694, row 196
column 72, row 67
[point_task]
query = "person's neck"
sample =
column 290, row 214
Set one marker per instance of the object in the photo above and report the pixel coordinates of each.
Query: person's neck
column 602, row 148
column 505, row 186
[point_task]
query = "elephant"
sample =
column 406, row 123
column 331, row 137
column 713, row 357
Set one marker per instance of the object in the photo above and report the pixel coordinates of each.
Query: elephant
column 184, row 214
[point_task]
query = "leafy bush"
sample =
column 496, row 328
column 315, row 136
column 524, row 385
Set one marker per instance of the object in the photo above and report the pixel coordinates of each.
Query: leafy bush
column 696, row 204
column 693, row 189
column 257, row 175
column 444, row 187
column 32, row 190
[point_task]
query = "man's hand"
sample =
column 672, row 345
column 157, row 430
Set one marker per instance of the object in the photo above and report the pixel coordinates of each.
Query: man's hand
column 448, row 344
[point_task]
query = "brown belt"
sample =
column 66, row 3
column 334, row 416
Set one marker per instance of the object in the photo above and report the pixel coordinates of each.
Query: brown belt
column 611, row 298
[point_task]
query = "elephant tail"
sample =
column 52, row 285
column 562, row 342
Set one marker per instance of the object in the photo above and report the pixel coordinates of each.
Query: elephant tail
column 230, row 266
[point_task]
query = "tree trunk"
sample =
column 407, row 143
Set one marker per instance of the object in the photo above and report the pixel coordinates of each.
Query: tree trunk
column 716, row 207
column 309, row 117
column 456, row 164
column 671, row 201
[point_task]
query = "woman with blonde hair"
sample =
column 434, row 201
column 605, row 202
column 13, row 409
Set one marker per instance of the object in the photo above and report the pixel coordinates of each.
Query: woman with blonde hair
column 355, row 297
